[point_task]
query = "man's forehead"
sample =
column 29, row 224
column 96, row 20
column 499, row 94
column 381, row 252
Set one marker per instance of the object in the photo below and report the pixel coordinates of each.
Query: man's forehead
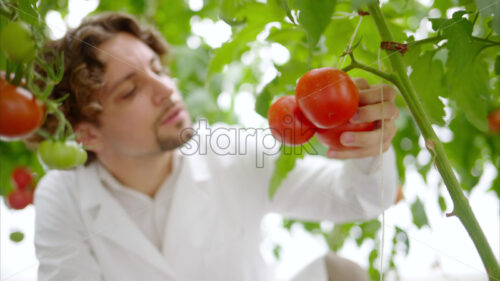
column 124, row 49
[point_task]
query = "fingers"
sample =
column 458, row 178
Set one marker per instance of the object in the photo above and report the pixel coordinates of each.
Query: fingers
column 374, row 94
column 364, row 146
column 376, row 103
column 369, row 138
column 374, row 112
column 361, row 83
column 357, row 152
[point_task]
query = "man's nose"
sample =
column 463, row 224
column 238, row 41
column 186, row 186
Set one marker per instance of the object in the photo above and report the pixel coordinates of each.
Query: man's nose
column 162, row 89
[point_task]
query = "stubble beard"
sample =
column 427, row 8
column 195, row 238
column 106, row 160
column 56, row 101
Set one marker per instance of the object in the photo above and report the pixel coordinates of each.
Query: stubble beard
column 173, row 142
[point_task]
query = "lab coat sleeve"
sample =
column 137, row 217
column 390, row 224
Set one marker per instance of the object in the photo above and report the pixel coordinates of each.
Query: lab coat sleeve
column 319, row 188
column 61, row 243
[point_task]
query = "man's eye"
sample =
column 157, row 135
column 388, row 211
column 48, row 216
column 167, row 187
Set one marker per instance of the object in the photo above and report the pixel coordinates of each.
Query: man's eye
column 129, row 94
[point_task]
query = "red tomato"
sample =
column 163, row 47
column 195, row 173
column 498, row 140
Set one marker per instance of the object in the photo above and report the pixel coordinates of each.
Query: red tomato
column 22, row 177
column 19, row 199
column 20, row 112
column 327, row 97
column 288, row 124
column 331, row 137
column 494, row 121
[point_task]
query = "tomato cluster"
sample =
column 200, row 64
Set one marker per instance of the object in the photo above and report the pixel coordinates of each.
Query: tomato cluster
column 324, row 102
column 24, row 185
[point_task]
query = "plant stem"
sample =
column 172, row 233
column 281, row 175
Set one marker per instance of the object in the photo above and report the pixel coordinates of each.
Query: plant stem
column 436, row 39
column 486, row 40
column 461, row 208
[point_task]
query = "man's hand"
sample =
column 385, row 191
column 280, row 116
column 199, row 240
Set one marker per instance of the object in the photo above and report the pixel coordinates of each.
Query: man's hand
column 371, row 108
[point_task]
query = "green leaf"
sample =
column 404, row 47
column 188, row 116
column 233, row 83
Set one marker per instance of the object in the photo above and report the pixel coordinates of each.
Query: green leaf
column 402, row 237
column 27, row 12
column 137, row 7
column 286, row 36
column 497, row 65
column 442, row 203
column 263, row 102
column 495, row 187
column 405, row 142
column 229, row 9
column 467, row 75
column 284, row 5
column 314, row 17
column 173, row 19
column 427, row 76
column 443, row 5
column 413, row 55
column 232, row 50
column 489, row 7
column 373, row 255
column 418, row 213
column 283, row 165
column 438, row 23
column 46, row 5
column 463, row 150
column 368, row 230
column 277, row 251
column 338, row 34
column 257, row 16
column 356, row 4
column 337, row 236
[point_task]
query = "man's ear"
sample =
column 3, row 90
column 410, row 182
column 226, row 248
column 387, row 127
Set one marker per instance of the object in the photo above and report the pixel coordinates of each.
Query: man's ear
column 89, row 136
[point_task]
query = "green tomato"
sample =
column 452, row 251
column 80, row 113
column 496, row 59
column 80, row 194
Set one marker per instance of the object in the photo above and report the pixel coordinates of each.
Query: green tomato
column 16, row 236
column 17, row 43
column 62, row 155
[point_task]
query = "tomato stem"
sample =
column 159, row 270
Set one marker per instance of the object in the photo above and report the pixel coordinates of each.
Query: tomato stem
column 461, row 208
column 356, row 64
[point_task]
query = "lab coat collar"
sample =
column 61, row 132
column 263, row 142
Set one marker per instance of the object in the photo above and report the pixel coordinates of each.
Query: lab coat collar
column 89, row 179
column 108, row 218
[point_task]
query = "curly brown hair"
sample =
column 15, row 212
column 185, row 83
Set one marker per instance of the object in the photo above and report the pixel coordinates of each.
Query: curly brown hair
column 83, row 71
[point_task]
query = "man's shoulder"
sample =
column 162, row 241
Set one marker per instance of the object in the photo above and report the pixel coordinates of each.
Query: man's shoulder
column 61, row 181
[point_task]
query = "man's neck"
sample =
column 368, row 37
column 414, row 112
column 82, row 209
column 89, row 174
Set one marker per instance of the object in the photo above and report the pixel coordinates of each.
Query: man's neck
column 145, row 174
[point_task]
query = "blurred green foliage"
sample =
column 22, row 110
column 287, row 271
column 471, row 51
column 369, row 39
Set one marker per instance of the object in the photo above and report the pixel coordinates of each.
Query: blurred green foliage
column 456, row 75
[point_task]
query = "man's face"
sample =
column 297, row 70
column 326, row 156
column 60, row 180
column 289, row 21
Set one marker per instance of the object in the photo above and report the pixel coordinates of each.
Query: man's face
column 143, row 112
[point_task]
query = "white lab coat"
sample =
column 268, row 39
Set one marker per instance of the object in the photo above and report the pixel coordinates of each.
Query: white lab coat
column 213, row 228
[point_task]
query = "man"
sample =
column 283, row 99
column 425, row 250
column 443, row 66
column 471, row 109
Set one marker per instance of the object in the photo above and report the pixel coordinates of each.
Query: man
column 157, row 200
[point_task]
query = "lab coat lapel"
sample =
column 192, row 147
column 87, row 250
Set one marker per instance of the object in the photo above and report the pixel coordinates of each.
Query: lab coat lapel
column 108, row 218
column 191, row 214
